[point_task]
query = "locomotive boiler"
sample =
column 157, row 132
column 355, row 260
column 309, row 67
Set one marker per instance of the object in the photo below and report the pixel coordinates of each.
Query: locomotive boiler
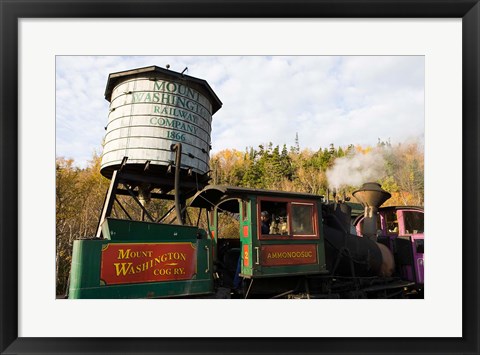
column 157, row 149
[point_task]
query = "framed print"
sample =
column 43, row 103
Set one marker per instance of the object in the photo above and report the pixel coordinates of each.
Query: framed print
column 36, row 38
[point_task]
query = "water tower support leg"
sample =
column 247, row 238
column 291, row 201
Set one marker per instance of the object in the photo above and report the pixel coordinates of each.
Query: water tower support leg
column 108, row 204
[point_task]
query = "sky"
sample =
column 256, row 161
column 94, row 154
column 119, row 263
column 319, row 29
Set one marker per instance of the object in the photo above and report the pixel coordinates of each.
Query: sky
column 323, row 99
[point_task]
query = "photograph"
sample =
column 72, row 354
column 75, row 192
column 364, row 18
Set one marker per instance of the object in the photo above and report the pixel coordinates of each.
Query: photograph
column 266, row 177
column 222, row 177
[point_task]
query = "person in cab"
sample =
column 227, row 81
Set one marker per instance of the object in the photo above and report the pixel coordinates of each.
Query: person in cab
column 265, row 220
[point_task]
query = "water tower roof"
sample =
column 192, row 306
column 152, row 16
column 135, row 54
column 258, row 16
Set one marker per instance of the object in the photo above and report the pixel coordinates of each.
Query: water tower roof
column 115, row 78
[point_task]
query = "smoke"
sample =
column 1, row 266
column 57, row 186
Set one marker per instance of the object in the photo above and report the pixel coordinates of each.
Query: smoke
column 356, row 169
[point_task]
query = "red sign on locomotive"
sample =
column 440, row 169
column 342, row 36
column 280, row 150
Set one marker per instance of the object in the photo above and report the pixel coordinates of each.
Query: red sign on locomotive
column 278, row 255
column 147, row 262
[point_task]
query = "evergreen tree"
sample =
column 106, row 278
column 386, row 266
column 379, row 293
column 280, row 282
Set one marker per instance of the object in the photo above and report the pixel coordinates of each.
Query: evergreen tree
column 296, row 148
column 80, row 193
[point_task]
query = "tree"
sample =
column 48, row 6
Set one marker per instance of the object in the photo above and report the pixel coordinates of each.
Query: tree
column 67, row 204
column 404, row 166
column 410, row 174
column 296, row 148
column 80, row 193
column 79, row 200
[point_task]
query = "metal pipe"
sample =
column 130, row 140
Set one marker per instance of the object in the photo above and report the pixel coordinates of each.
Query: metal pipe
column 177, row 148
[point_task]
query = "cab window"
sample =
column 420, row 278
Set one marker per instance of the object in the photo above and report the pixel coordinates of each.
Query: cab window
column 413, row 221
column 302, row 219
column 391, row 222
column 244, row 210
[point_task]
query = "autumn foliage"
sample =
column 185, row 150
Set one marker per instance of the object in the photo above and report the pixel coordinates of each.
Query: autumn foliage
column 80, row 193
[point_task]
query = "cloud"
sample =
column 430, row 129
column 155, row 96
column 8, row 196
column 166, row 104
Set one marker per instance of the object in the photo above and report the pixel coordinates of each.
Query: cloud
column 326, row 99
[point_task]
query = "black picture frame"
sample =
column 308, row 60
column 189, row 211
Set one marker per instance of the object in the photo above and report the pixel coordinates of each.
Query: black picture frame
column 12, row 11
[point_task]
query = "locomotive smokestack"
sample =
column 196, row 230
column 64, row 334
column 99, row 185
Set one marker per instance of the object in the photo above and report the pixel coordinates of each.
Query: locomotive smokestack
column 371, row 196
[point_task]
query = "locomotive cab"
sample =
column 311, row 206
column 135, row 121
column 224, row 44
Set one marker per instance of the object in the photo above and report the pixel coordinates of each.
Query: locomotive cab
column 268, row 260
column 401, row 228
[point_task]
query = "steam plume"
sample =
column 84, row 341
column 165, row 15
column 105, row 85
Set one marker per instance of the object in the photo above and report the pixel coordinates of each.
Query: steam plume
column 356, row 169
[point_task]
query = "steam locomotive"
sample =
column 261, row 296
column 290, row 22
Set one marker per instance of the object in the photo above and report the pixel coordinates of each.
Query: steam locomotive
column 314, row 255
column 314, row 247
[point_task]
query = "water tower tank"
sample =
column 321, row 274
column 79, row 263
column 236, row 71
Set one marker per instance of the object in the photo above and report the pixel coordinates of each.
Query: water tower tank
column 152, row 108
